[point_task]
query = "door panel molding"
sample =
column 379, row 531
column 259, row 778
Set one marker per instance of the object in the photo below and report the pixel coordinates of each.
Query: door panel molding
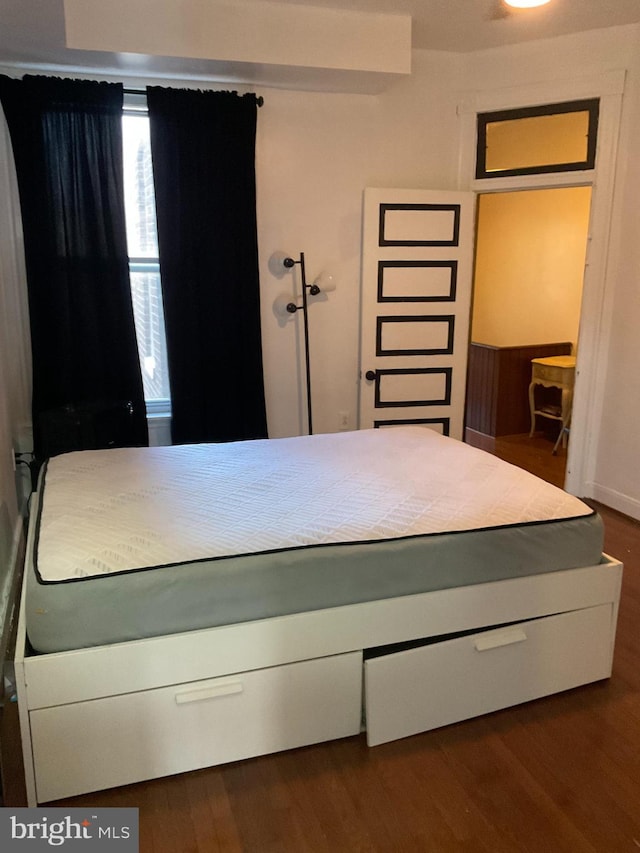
column 444, row 230
column 429, row 333
column 441, row 425
column 396, row 287
column 444, row 387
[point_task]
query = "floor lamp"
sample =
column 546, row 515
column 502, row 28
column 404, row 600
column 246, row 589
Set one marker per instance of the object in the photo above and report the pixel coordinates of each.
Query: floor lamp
column 280, row 263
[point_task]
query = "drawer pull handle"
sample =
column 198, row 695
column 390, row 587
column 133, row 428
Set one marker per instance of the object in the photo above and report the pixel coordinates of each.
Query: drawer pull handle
column 226, row 689
column 493, row 641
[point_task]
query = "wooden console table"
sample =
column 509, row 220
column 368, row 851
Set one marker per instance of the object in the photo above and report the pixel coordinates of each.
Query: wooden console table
column 555, row 372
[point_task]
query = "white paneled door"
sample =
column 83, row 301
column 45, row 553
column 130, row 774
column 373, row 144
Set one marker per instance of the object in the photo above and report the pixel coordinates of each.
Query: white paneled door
column 416, row 300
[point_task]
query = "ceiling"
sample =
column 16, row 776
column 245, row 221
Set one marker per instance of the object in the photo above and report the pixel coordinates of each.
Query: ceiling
column 32, row 31
column 467, row 25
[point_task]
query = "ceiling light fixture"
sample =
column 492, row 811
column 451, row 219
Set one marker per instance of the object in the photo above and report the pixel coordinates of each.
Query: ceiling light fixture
column 525, row 4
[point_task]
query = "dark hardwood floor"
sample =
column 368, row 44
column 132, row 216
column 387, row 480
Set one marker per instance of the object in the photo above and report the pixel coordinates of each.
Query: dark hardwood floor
column 559, row 775
column 535, row 455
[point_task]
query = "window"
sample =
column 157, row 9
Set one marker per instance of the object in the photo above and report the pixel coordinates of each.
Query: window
column 537, row 140
column 144, row 265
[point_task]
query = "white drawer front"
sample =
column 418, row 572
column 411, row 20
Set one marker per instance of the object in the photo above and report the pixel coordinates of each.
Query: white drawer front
column 430, row 686
column 108, row 742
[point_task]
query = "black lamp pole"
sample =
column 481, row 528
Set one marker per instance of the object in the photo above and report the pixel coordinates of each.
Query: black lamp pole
column 292, row 308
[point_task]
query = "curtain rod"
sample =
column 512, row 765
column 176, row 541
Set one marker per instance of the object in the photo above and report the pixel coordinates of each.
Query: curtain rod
column 127, row 91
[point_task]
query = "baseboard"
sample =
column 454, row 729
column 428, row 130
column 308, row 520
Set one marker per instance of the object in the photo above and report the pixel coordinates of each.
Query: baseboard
column 479, row 439
column 615, row 500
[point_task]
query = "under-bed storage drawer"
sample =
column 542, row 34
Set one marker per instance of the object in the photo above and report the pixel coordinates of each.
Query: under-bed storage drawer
column 433, row 685
column 107, row 742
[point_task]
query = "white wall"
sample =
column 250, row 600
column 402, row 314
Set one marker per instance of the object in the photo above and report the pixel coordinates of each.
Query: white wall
column 551, row 60
column 617, row 466
column 316, row 153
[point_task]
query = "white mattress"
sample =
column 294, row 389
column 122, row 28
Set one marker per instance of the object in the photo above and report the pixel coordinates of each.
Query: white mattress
column 112, row 511
column 133, row 543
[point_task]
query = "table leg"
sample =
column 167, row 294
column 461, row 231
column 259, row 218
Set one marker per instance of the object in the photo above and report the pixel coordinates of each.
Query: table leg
column 532, row 407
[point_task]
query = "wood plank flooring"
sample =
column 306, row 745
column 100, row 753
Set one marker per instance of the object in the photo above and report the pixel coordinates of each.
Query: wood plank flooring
column 559, row 775
column 535, row 455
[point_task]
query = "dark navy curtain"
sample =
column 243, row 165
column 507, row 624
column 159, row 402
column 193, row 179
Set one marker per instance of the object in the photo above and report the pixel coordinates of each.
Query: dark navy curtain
column 203, row 152
column 67, row 143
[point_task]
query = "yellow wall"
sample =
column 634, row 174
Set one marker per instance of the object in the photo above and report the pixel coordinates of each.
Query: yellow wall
column 529, row 266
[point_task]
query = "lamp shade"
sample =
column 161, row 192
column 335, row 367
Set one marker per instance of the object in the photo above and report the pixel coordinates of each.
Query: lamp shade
column 325, row 282
column 277, row 264
column 281, row 303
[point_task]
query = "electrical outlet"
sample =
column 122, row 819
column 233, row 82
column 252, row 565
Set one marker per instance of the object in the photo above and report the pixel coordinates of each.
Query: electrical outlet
column 343, row 420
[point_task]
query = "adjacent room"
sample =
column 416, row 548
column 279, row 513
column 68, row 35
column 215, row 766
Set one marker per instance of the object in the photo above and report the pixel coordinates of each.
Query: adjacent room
column 319, row 473
column 530, row 262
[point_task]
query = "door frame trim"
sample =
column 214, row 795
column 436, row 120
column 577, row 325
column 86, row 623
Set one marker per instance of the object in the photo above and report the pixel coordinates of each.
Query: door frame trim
column 597, row 297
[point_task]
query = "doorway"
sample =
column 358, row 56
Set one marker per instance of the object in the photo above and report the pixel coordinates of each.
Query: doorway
column 529, row 271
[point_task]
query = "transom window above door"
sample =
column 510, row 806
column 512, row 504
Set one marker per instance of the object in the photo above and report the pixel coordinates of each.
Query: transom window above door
column 537, row 140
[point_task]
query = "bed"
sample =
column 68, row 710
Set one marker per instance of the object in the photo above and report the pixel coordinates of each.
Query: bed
column 187, row 606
